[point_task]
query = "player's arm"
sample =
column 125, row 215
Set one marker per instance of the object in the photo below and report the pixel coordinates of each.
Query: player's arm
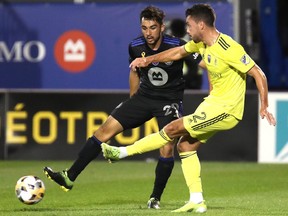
column 134, row 77
column 262, row 86
column 172, row 54
column 134, row 82
column 202, row 64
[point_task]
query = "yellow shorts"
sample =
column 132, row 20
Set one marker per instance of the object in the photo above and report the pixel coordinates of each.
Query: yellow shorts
column 207, row 120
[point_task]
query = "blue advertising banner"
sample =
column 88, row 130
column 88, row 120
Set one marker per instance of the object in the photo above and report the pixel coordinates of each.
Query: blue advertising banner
column 77, row 46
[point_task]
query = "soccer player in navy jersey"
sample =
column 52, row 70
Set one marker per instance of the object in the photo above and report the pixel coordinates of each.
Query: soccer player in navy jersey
column 155, row 91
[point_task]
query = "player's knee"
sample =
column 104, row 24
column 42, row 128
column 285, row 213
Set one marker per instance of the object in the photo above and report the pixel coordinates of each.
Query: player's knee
column 167, row 151
column 166, row 154
column 190, row 144
column 171, row 130
column 180, row 148
column 103, row 134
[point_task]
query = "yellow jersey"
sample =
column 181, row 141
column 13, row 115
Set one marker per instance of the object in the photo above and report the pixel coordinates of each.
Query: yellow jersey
column 227, row 64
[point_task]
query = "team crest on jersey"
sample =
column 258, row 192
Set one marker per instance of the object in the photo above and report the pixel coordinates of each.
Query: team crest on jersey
column 245, row 59
column 209, row 58
column 155, row 63
column 169, row 63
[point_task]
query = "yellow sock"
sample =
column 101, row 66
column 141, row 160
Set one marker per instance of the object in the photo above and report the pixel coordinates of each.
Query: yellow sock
column 148, row 143
column 191, row 169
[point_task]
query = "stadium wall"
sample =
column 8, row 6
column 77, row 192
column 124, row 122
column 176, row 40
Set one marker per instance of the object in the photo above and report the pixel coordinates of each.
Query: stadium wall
column 53, row 125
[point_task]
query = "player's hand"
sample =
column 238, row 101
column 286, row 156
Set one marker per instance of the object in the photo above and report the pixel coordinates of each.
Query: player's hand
column 269, row 116
column 138, row 62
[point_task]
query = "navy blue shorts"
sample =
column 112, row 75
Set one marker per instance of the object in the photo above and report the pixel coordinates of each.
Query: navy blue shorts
column 138, row 109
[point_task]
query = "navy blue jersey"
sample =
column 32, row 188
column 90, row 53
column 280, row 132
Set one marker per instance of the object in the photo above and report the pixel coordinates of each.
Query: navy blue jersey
column 159, row 80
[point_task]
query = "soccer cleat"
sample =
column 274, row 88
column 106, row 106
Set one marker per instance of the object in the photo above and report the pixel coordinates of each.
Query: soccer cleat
column 111, row 153
column 60, row 178
column 153, row 203
column 193, row 207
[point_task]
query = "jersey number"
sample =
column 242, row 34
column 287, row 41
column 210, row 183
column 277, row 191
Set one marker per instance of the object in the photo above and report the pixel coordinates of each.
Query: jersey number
column 173, row 108
column 202, row 117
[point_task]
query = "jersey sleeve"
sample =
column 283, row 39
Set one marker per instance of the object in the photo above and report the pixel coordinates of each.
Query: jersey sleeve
column 191, row 47
column 193, row 57
column 238, row 58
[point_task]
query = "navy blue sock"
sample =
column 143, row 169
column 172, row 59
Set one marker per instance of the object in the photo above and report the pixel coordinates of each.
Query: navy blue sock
column 90, row 151
column 162, row 172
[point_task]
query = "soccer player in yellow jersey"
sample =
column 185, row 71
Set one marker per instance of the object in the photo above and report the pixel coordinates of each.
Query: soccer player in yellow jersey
column 228, row 65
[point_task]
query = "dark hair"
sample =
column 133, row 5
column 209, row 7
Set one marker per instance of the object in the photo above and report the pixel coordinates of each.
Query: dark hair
column 202, row 12
column 152, row 13
column 178, row 27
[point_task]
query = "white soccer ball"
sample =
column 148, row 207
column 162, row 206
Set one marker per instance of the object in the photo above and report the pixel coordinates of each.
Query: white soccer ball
column 30, row 189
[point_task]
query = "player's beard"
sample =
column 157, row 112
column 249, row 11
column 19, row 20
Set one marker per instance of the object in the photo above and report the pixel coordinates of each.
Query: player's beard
column 196, row 38
column 153, row 42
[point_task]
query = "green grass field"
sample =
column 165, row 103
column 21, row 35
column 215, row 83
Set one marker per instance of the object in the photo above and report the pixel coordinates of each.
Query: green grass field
column 123, row 189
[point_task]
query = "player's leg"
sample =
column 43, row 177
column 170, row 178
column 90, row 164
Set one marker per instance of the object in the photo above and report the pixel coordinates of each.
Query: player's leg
column 148, row 143
column 202, row 125
column 129, row 114
column 92, row 148
column 89, row 151
column 163, row 171
column 191, row 168
column 165, row 112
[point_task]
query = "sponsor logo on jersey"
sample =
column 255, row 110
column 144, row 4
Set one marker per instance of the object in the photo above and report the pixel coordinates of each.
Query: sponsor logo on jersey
column 157, row 76
column 215, row 75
